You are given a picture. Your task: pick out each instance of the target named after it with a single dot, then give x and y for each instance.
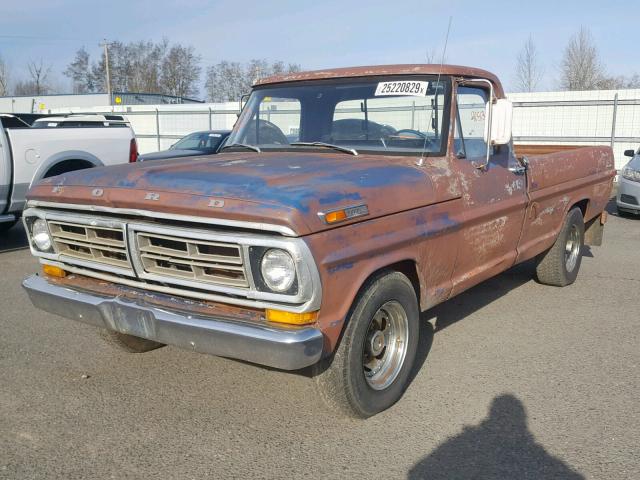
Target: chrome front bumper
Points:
(283, 348)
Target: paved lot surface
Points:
(517, 380)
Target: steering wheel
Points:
(269, 133)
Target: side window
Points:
(470, 122)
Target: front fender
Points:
(349, 255)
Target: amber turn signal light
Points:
(54, 271)
(280, 316)
(337, 216)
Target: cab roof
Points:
(376, 70)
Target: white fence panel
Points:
(600, 117)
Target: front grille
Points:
(630, 199)
(190, 259)
(103, 245)
(150, 253)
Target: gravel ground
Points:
(515, 380)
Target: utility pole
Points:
(106, 45)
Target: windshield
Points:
(199, 141)
(390, 115)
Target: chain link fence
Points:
(544, 118)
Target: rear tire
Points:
(559, 265)
(369, 370)
(128, 343)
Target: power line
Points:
(44, 37)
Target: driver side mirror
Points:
(629, 153)
(499, 119)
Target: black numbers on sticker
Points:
(401, 87)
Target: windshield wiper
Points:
(243, 145)
(352, 151)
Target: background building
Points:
(48, 103)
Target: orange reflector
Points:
(291, 318)
(54, 271)
(337, 216)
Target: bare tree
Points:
(225, 82)
(633, 81)
(39, 74)
(612, 83)
(4, 78)
(180, 71)
(79, 72)
(528, 70)
(228, 81)
(581, 67)
(144, 66)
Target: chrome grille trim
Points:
(308, 297)
(91, 243)
(183, 257)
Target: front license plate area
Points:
(131, 320)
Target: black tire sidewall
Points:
(6, 226)
(364, 399)
(574, 218)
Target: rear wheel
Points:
(129, 343)
(370, 368)
(559, 265)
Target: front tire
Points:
(559, 265)
(369, 370)
(6, 226)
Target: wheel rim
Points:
(572, 248)
(385, 345)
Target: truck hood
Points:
(285, 189)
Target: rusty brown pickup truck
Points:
(344, 203)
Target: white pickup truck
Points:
(52, 146)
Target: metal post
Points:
(210, 123)
(105, 44)
(613, 121)
(413, 114)
(158, 128)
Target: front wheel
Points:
(369, 370)
(559, 265)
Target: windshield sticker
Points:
(402, 88)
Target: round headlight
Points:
(278, 270)
(40, 235)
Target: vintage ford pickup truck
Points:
(346, 202)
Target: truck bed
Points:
(535, 149)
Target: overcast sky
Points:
(324, 33)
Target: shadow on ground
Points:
(500, 447)
(467, 303)
(13, 239)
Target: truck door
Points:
(494, 198)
